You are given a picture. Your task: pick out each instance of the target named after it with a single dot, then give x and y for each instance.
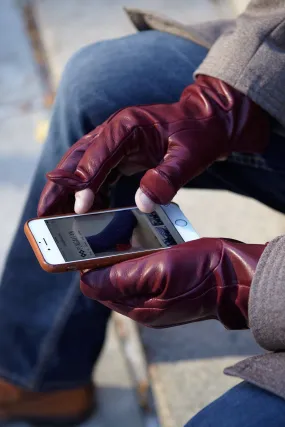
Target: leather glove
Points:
(204, 279)
(172, 142)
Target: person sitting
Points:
(51, 335)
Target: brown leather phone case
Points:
(79, 265)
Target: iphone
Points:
(98, 239)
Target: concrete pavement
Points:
(20, 110)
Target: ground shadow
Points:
(196, 341)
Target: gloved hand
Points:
(199, 280)
(172, 142)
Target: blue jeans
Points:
(243, 406)
(50, 335)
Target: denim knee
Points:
(244, 405)
(78, 108)
(75, 86)
(109, 75)
(88, 85)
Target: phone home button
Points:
(181, 222)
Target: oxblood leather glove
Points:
(172, 142)
(203, 279)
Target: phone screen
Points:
(110, 233)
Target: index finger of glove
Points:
(54, 196)
(96, 164)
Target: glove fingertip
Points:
(96, 284)
(157, 187)
(59, 174)
(88, 291)
(66, 179)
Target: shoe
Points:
(57, 408)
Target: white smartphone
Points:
(98, 239)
